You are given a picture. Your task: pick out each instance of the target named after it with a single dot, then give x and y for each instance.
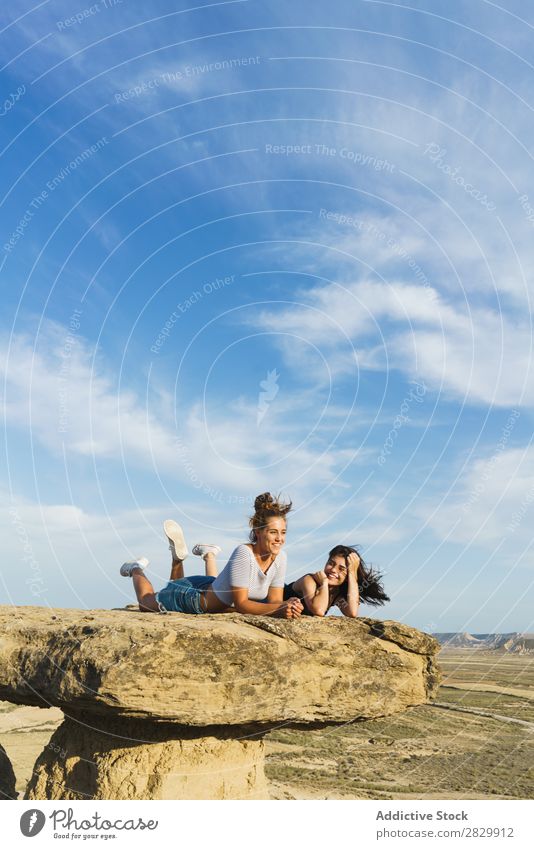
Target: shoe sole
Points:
(175, 535)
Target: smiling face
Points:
(336, 570)
(272, 537)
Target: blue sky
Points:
(251, 246)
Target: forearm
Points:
(353, 597)
(256, 608)
(318, 605)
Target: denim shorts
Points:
(183, 595)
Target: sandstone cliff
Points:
(176, 706)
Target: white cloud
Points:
(61, 554)
(231, 452)
(474, 353)
(57, 392)
(492, 502)
(70, 402)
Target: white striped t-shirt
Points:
(242, 570)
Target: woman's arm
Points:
(275, 595)
(315, 592)
(289, 609)
(350, 605)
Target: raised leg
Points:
(211, 564)
(179, 552)
(144, 591)
(177, 569)
(209, 553)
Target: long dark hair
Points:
(369, 580)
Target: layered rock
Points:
(176, 706)
(128, 759)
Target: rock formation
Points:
(176, 706)
(513, 643)
(7, 777)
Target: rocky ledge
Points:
(175, 706)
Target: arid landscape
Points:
(475, 742)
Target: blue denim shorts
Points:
(183, 595)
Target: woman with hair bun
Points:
(251, 582)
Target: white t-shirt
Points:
(242, 570)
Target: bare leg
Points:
(144, 591)
(177, 570)
(211, 564)
(175, 537)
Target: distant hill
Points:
(515, 643)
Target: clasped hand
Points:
(291, 609)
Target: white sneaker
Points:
(126, 568)
(175, 535)
(203, 548)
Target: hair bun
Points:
(262, 501)
(266, 506)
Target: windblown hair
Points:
(369, 580)
(267, 506)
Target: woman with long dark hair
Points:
(345, 581)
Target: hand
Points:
(320, 578)
(290, 609)
(353, 564)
